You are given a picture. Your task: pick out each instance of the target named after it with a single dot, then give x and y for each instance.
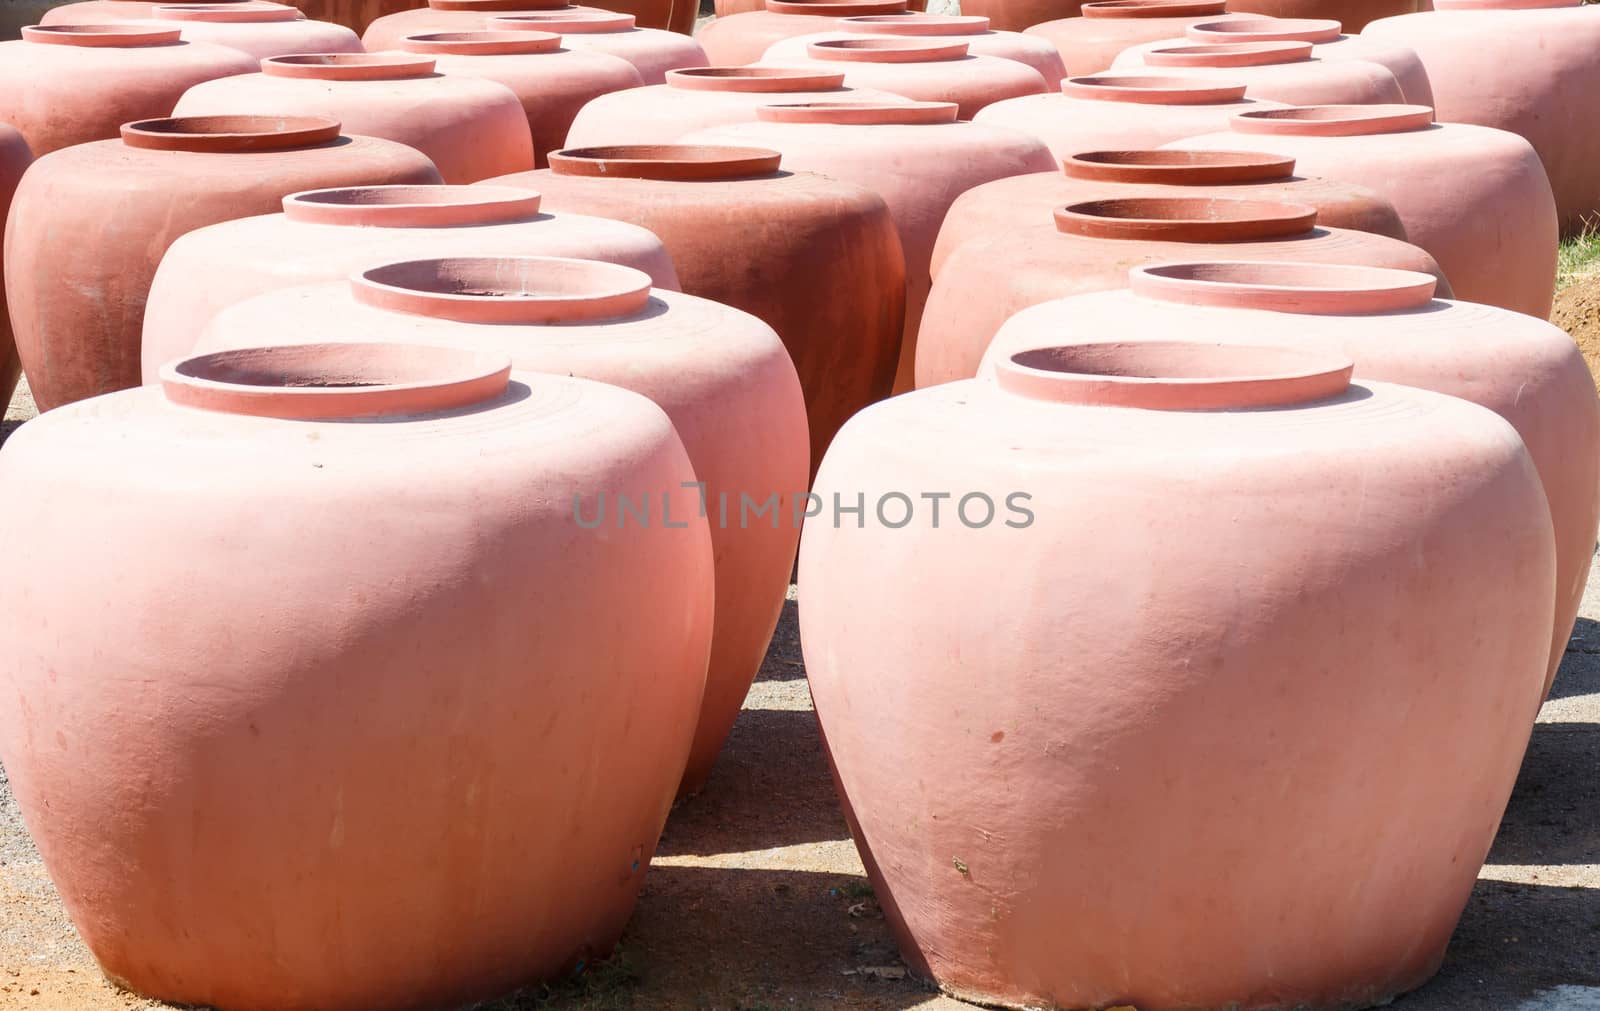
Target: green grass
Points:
(1578, 258)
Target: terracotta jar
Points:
(1285, 72)
(1492, 226)
(552, 81)
(1525, 370)
(652, 51)
(321, 753)
(14, 161)
(1089, 41)
(1353, 14)
(452, 16)
(259, 30)
(1123, 111)
(70, 84)
(1527, 66)
(737, 37)
(471, 128)
(1166, 650)
(926, 70)
(722, 376)
(816, 259)
(1017, 15)
(918, 157)
(1328, 43)
(326, 235)
(80, 254)
(1091, 246)
(352, 14)
(1023, 200)
(980, 39)
(698, 98)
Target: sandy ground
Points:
(757, 901)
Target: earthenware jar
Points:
(325, 235)
(1019, 201)
(259, 30)
(1090, 246)
(737, 37)
(1016, 15)
(80, 254)
(1123, 111)
(472, 128)
(69, 84)
(1089, 41)
(454, 16)
(352, 14)
(981, 40)
(823, 268)
(1285, 72)
(702, 97)
(1169, 579)
(1527, 66)
(552, 81)
(1492, 226)
(320, 753)
(14, 161)
(652, 51)
(918, 157)
(1354, 14)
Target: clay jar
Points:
(325, 235)
(301, 754)
(1155, 622)
(703, 97)
(1328, 43)
(927, 70)
(552, 81)
(1354, 14)
(1492, 227)
(452, 16)
(722, 376)
(352, 14)
(918, 157)
(651, 51)
(738, 37)
(259, 30)
(1091, 40)
(14, 161)
(90, 223)
(71, 84)
(1123, 111)
(1280, 72)
(1090, 247)
(728, 8)
(1016, 15)
(824, 268)
(974, 31)
(1519, 65)
(1021, 200)
(1525, 370)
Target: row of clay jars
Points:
(456, 16)
(351, 15)
(1201, 597)
(1089, 41)
(980, 40)
(310, 746)
(1016, 15)
(1090, 246)
(257, 29)
(1474, 197)
(1285, 72)
(1524, 369)
(15, 157)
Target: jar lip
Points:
(384, 66)
(1153, 8)
(229, 134)
(117, 35)
(834, 8)
(860, 113)
(411, 206)
(1152, 89)
(1186, 219)
(1228, 54)
(760, 80)
(506, 6)
(1294, 287)
(1505, 5)
(525, 290)
(914, 23)
(483, 42)
(666, 162)
(1174, 375)
(244, 12)
(576, 22)
(1334, 120)
(1265, 29)
(1178, 167)
(886, 49)
(331, 382)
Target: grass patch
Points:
(1578, 258)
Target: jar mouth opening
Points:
(514, 6)
(835, 8)
(247, 12)
(229, 133)
(666, 162)
(1335, 120)
(120, 35)
(1153, 8)
(1229, 54)
(1178, 166)
(488, 42)
(412, 206)
(1305, 288)
(348, 66)
(762, 80)
(860, 113)
(912, 23)
(886, 49)
(1153, 89)
(576, 22)
(505, 289)
(1266, 30)
(1195, 219)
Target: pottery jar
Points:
(90, 223)
(1354, 14)
(981, 40)
(352, 14)
(926, 70)
(1475, 197)
(325, 235)
(1017, 15)
(1287, 72)
(1089, 41)
(454, 16)
(412, 748)
(1090, 246)
(259, 30)
(1173, 577)
(14, 161)
(737, 37)
(652, 51)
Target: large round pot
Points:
(1169, 648)
(14, 161)
(90, 223)
(1353, 14)
(1287, 72)
(980, 40)
(1474, 197)
(327, 234)
(550, 80)
(1024, 200)
(652, 51)
(918, 157)
(824, 268)
(471, 128)
(1328, 43)
(258, 30)
(413, 736)
(926, 70)
(1090, 247)
(1089, 41)
(452, 16)
(352, 14)
(1123, 111)
(701, 97)
(1524, 369)
(722, 376)
(71, 84)
(740, 36)
(1527, 66)
(1017, 15)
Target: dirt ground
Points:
(1577, 311)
